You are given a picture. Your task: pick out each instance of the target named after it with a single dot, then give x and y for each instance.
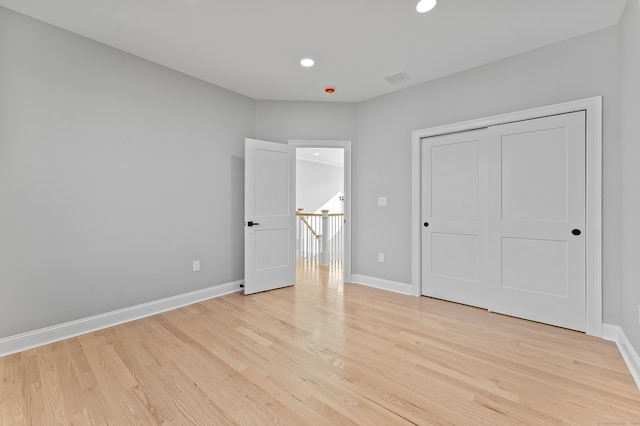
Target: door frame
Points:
(593, 108)
(346, 146)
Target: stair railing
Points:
(319, 236)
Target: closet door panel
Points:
(454, 181)
(536, 222)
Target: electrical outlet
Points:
(196, 265)
(380, 257)
(382, 201)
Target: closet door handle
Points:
(576, 232)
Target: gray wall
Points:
(578, 68)
(630, 172)
(280, 121)
(115, 173)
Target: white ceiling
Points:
(254, 47)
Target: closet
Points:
(503, 218)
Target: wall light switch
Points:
(196, 265)
(380, 257)
(382, 201)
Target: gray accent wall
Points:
(115, 173)
(630, 170)
(578, 68)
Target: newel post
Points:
(324, 239)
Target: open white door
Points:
(269, 214)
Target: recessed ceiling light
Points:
(425, 6)
(316, 153)
(307, 62)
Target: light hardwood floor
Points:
(321, 353)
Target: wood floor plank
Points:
(67, 376)
(35, 405)
(11, 390)
(321, 353)
(51, 381)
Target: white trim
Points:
(44, 336)
(396, 287)
(615, 333)
(346, 145)
(610, 332)
(593, 108)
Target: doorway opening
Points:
(323, 237)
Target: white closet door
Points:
(454, 217)
(536, 241)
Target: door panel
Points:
(536, 198)
(519, 273)
(271, 248)
(455, 256)
(453, 180)
(269, 216)
(271, 182)
(524, 157)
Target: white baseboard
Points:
(44, 336)
(615, 333)
(394, 286)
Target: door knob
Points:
(426, 224)
(576, 232)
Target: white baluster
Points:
(324, 244)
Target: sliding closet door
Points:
(536, 223)
(454, 217)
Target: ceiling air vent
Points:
(398, 78)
